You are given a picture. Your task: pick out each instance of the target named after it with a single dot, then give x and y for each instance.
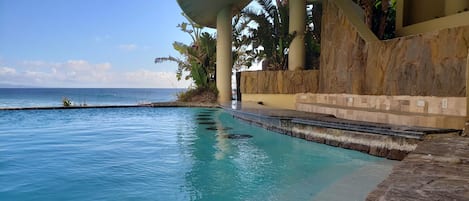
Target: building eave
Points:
(204, 12)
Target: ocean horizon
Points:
(48, 97)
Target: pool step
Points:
(378, 139)
(382, 129)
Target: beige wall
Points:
(416, 11)
(456, 6)
(284, 101)
(420, 16)
(451, 21)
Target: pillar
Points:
(224, 57)
(296, 56)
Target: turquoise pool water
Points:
(160, 154)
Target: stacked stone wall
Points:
(279, 82)
(429, 64)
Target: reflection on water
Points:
(165, 154)
(268, 166)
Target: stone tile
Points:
(437, 170)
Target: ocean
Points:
(44, 97)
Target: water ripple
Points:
(158, 154)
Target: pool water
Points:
(161, 154)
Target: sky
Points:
(89, 43)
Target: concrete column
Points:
(296, 56)
(454, 6)
(224, 57)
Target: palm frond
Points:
(168, 58)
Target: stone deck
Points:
(437, 169)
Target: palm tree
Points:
(198, 58)
(272, 32)
(273, 36)
(313, 35)
(243, 53)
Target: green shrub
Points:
(66, 102)
(201, 94)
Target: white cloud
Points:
(81, 73)
(128, 47)
(147, 78)
(7, 71)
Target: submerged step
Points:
(402, 131)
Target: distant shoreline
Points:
(156, 104)
(6, 87)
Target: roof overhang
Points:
(204, 12)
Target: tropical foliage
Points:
(198, 58)
(384, 19)
(380, 16)
(243, 53)
(313, 35)
(271, 33)
(270, 39)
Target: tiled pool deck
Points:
(437, 168)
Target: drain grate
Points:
(204, 119)
(237, 136)
(209, 110)
(207, 123)
(213, 128)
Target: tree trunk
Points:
(367, 6)
(317, 18)
(384, 17)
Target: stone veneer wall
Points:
(279, 82)
(429, 64)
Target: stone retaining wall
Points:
(429, 64)
(279, 82)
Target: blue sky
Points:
(89, 43)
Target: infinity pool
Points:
(168, 154)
